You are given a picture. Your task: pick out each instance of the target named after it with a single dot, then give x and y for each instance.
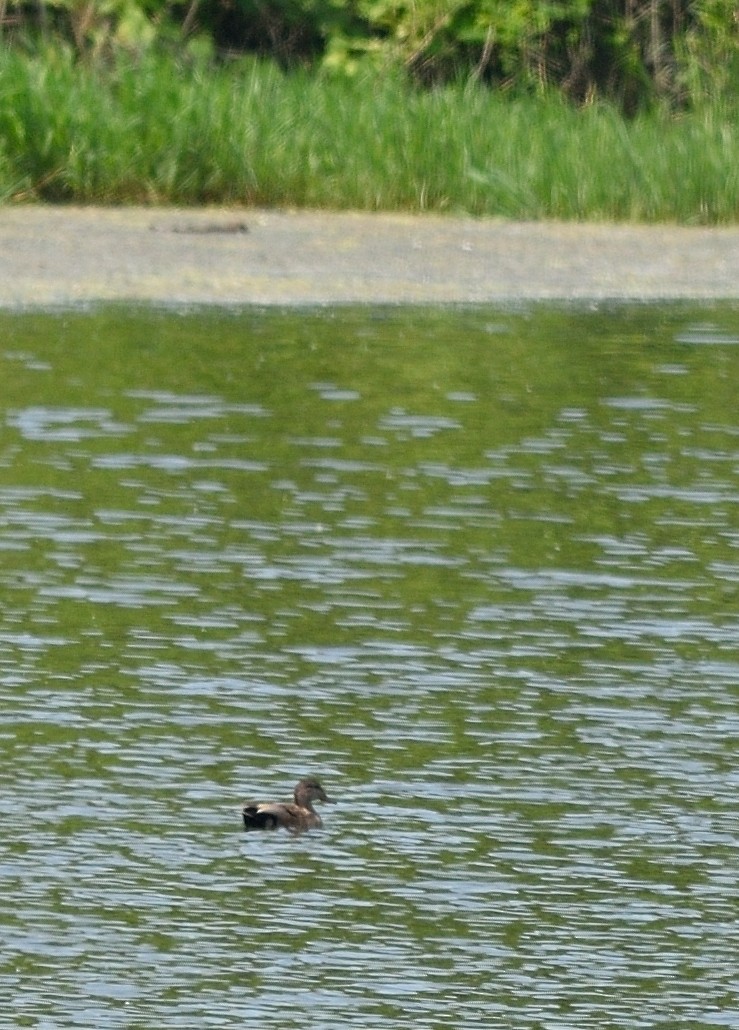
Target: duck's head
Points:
(310, 790)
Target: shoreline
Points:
(65, 256)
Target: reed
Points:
(157, 130)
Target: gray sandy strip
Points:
(53, 256)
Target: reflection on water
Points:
(478, 570)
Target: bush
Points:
(633, 52)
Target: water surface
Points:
(476, 569)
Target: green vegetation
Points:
(631, 52)
(573, 109)
(150, 129)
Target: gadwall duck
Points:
(296, 816)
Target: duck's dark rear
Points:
(256, 820)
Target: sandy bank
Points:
(63, 255)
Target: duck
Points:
(295, 816)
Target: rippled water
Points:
(479, 570)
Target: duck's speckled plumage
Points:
(295, 816)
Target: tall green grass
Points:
(152, 130)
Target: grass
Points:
(156, 131)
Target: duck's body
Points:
(295, 816)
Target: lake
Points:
(477, 569)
